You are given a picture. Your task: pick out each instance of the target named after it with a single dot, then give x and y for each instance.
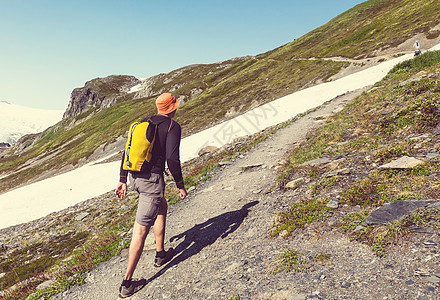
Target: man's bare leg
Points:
(136, 247)
(159, 225)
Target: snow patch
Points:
(16, 121)
(137, 87)
(42, 198)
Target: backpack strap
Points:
(171, 123)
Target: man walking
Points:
(150, 185)
(417, 48)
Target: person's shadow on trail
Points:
(205, 234)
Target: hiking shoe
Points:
(135, 286)
(159, 262)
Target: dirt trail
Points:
(220, 232)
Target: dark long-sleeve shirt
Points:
(166, 148)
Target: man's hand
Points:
(121, 190)
(183, 193)
(176, 237)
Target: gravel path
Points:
(221, 233)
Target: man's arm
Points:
(173, 158)
(121, 188)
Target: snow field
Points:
(59, 192)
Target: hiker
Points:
(150, 185)
(417, 48)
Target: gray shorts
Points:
(150, 188)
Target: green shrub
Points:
(363, 193)
(305, 212)
(393, 151)
(353, 220)
(288, 261)
(418, 63)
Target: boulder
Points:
(333, 204)
(317, 162)
(294, 184)
(396, 210)
(207, 150)
(251, 167)
(45, 284)
(344, 171)
(81, 216)
(405, 162)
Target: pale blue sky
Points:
(48, 48)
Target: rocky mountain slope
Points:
(99, 93)
(100, 112)
(300, 228)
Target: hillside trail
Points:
(221, 233)
(221, 229)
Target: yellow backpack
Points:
(139, 146)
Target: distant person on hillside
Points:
(150, 185)
(417, 48)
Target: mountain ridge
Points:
(296, 229)
(216, 92)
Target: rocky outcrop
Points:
(397, 210)
(207, 149)
(145, 88)
(404, 162)
(26, 141)
(99, 93)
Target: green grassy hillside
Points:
(399, 117)
(215, 92)
(368, 27)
